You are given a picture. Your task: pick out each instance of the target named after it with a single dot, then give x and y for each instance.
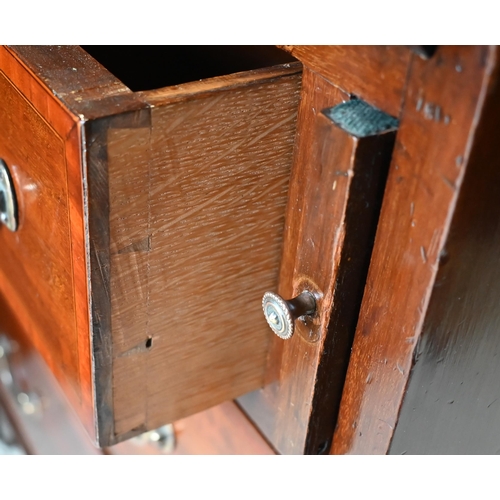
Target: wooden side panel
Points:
(43, 270)
(451, 405)
(335, 195)
(196, 211)
(376, 74)
(442, 105)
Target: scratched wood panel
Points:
(72, 74)
(197, 190)
(451, 404)
(73, 91)
(374, 73)
(69, 87)
(443, 103)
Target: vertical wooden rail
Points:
(334, 198)
(443, 103)
(451, 403)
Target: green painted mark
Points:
(360, 119)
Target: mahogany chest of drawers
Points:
(154, 209)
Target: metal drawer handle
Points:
(8, 203)
(281, 314)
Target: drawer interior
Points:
(144, 67)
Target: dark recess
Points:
(147, 67)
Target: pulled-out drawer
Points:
(149, 221)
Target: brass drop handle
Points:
(281, 314)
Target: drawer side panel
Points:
(197, 204)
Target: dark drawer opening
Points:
(143, 67)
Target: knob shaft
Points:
(281, 314)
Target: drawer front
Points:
(36, 259)
(185, 190)
(42, 265)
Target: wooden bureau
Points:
(154, 211)
(149, 223)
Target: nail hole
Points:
(149, 343)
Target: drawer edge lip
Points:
(199, 89)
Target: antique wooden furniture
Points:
(148, 224)
(164, 214)
(429, 310)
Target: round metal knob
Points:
(8, 205)
(281, 314)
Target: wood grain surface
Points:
(443, 102)
(335, 194)
(51, 427)
(39, 254)
(186, 198)
(374, 73)
(451, 405)
(197, 203)
(43, 267)
(71, 73)
(75, 80)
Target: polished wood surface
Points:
(43, 268)
(222, 430)
(375, 73)
(443, 103)
(421, 377)
(335, 195)
(76, 81)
